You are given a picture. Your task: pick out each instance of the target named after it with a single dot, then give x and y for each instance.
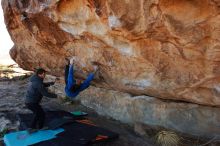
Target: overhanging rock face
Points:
(163, 48)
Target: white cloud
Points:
(5, 42)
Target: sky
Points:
(5, 42)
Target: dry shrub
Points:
(167, 138)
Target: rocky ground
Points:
(12, 93)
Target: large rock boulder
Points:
(186, 118)
(163, 48)
(144, 112)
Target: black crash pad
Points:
(78, 130)
(50, 118)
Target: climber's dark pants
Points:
(39, 115)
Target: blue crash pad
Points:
(23, 138)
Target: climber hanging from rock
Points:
(74, 86)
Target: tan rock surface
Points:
(163, 48)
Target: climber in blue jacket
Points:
(73, 88)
